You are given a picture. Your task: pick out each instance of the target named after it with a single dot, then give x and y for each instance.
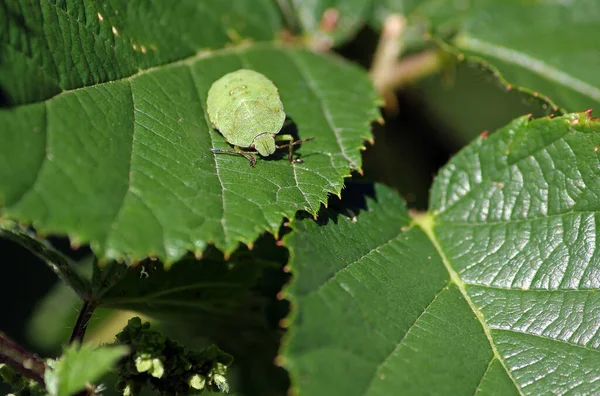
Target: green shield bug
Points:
(245, 107)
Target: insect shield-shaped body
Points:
(245, 107)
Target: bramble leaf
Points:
(495, 288)
(121, 158)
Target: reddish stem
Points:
(21, 360)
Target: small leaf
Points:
(79, 366)
(495, 289)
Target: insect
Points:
(245, 107)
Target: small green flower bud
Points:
(157, 368)
(197, 381)
(143, 363)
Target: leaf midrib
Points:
(426, 223)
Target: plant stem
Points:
(83, 319)
(388, 51)
(21, 360)
(103, 279)
(415, 67)
(389, 73)
(60, 264)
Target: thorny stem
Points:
(21, 360)
(103, 279)
(83, 319)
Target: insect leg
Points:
(290, 138)
(287, 138)
(248, 154)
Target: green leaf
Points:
(541, 47)
(79, 366)
(118, 154)
(544, 48)
(50, 321)
(451, 105)
(210, 291)
(494, 290)
(515, 219)
(369, 310)
(126, 166)
(49, 47)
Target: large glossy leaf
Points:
(494, 291)
(126, 165)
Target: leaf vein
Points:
(314, 88)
